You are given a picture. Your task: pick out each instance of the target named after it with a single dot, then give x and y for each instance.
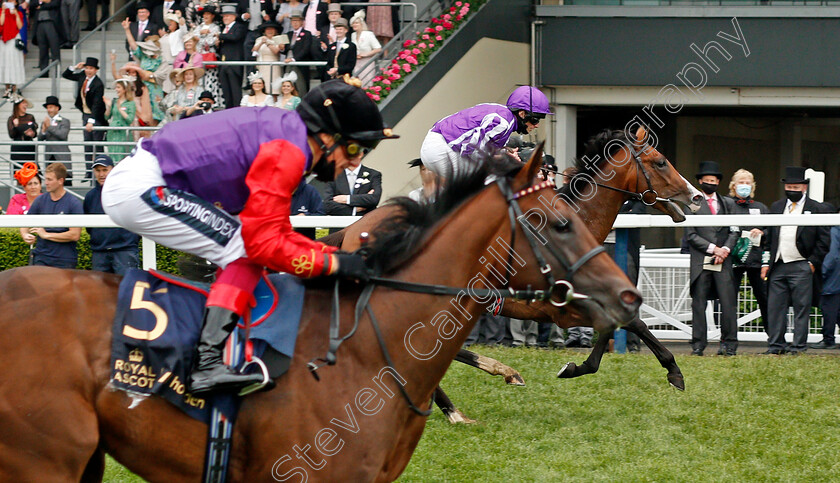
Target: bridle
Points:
(649, 196)
(516, 218)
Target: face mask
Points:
(708, 188)
(743, 190)
(794, 196)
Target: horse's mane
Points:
(398, 237)
(594, 150)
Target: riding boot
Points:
(209, 373)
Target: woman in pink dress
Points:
(28, 178)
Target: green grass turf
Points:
(746, 418)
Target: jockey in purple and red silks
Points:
(470, 133)
(220, 186)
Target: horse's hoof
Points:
(515, 380)
(457, 417)
(567, 371)
(677, 381)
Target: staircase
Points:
(38, 91)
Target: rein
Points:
(515, 215)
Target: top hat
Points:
(228, 9)
(709, 168)
(143, 5)
(795, 175)
(52, 100)
(206, 95)
(342, 22)
(334, 7)
(415, 162)
(296, 13)
(92, 61)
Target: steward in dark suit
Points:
(716, 242)
(340, 199)
(793, 257)
(301, 46)
(45, 22)
(232, 41)
(341, 54)
(89, 92)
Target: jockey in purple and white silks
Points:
(471, 133)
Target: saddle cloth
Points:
(157, 326)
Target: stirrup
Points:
(259, 385)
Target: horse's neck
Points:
(600, 209)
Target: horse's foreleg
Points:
(663, 355)
(95, 468)
(592, 363)
(490, 366)
(448, 408)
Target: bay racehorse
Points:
(59, 416)
(613, 169)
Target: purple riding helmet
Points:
(532, 101)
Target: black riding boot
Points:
(209, 373)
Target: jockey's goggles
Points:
(354, 149)
(534, 118)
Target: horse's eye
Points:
(662, 164)
(562, 226)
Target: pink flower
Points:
(431, 46)
(438, 38)
(459, 18)
(422, 45)
(406, 67)
(458, 4)
(387, 88)
(411, 60)
(453, 9)
(404, 54)
(377, 78)
(377, 88)
(396, 77)
(416, 51)
(426, 37)
(447, 25)
(429, 30)
(438, 28)
(466, 5)
(386, 82)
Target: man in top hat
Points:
(113, 250)
(300, 47)
(792, 256)
(341, 54)
(89, 92)
(711, 265)
(232, 39)
(56, 128)
(142, 27)
(327, 32)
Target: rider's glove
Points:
(352, 266)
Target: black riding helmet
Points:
(343, 110)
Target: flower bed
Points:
(417, 51)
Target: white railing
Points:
(663, 274)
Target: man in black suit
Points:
(142, 27)
(45, 21)
(792, 255)
(300, 47)
(355, 193)
(232, 39)
(341, 54)
(89, 92)
(711, 266)
(169, 6)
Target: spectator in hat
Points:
(341, 54)
(252, 13)
(792, 255)
(54, 247)
(208, 40)
(366, 47)
(742, 191)
(172, 37)
(195, 10)
(171, 7)
(140, 29)
(27, 177)
(257, 97)
(188, 91)
(190, 55)
(267, 48)
(121, 112)
(326, 33)
(289, 97)
(711, 266)
(55, 128)
(300, 47)
(45, 22)
(113, 250)
(22, 127)
(149, 68)
(231, 41)
(89, 93)
(203, 106)
(426, 192)
(284, 13)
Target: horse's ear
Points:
(641, 136)
(528, 172)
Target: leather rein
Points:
(516, 218)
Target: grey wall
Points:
(801, 52)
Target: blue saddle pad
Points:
(157, 326)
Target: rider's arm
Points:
(493, 132)
(266, 230)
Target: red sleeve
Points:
(266, 229)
